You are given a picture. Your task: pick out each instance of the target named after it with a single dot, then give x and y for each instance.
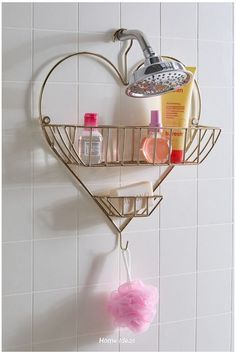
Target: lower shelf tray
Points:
(128, 206)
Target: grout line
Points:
(120, 181)
(225, 41)
(32, 184)
(127, 232)
(159, 219)
(77, 245)
(197, 203)
(97, 83)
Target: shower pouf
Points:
(133, 305)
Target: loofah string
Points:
(127, 262)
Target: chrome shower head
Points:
(157, 77)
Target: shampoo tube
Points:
(175, 113)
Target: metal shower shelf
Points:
(122, 145)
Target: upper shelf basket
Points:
(122, 146)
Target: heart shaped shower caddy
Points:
(118, 151)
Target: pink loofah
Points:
(133, 305)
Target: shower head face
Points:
(157, 79)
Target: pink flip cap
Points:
(91, 119)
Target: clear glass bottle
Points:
(155, 141)
(90, 142)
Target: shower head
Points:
(156, 77)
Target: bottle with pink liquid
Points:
(155, 141)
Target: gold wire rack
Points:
(122, 145)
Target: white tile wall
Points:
(54, 315)
(213, 334)
(214, 292)
(177, 336)
(177, 297)
(17, 267)
(60, 259)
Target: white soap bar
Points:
(131, 205)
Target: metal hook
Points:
(127, 243)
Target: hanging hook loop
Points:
(121, 246)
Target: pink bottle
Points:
(155, 141)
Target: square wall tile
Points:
(213, 333)
(17, 267)
(16, 105)
(21, 213)
(179, 20)
(16, 44)
(56, 16)
(92, 310)
(177, 297)
(184, 50)
(50, 47)
(101, 342)
(55, 212)
(17, 313)
(54, 263)
(61, 345)
(214, 201)
(139, 342)
(92, 220)
(26, 348)
(144, 248)
(215, 247)
(181, 172)
(106, 101)
(16, 159)
(54, 315)
(92, 69)
(97, 259)
(214, 292)
(59, 103)
(179, 207)
(144, 16)
(178, 251)
(216, 21)
(177, 336)
(217, 107)
(99, 17)
(100, 180)
(16, 14)
(135, 174)
(48, 169)
(210, 167)
(208, 67)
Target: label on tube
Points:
(176, 113)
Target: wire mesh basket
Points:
(127, 206)
(123, 145)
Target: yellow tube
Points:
(175, 113)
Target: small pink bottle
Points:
(156, 141)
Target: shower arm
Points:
(124, 35)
